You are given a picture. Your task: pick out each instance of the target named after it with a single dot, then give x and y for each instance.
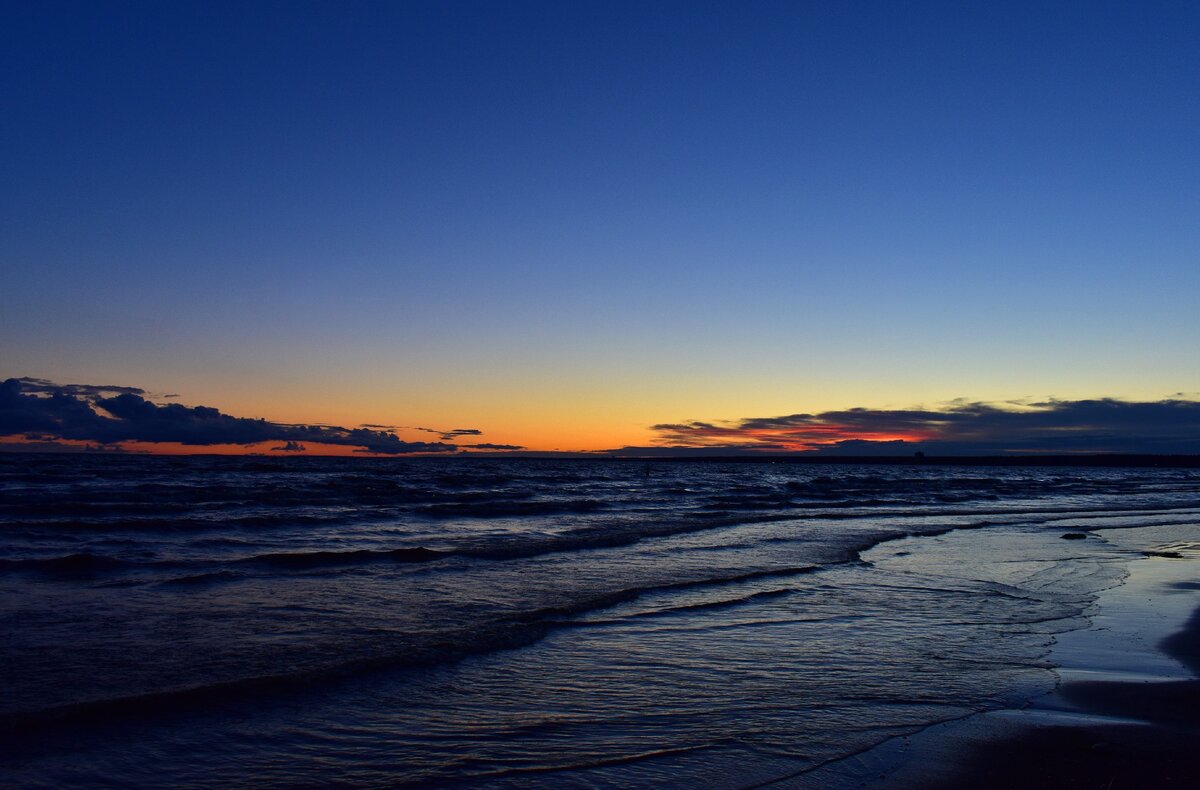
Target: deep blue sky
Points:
(567, 219)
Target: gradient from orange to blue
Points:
(564, 223)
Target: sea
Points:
(489, 622)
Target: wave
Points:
(80, 564)
(198, 524)
(23, 730)
(724, 603)
(319, 559)
(201, 579)
(512, 631)
(507, 632)
(760, 595)
(553, 615)
(493, 508)
(612, 534)
(616, 534)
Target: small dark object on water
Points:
(1073, 536)
(1171, 555)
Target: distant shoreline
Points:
(1106, 460)
(1115, 460)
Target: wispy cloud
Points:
(958, 428)
(452, 434)
(112, 414)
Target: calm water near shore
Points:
(207, 621)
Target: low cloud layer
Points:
(452, 434)
(490, 446)
(1103, 425)
(111, 414)
(43, 413)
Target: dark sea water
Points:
(207, 622)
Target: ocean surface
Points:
(207, 622)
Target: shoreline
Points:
(1125, 712)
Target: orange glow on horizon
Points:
(773, 442)
(265, 449)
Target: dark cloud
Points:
(489, 446)
(102, 448)
(42, 386)
(452, 434)
(290, 447)
(51, 445)
(1103, 425)
(114, 414)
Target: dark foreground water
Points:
(216, 622)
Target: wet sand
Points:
(1125, 734)
(1126, 713)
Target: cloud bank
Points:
(1104, 425)
(44, 413)
(111, 414)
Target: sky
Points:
(574, 226)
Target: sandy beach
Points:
(1125, 714)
